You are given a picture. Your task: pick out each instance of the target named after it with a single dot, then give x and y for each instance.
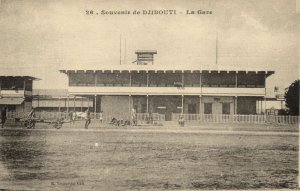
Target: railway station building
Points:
(149, 87)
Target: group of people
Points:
(86, 116)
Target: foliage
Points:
(292, 98)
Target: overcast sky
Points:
(39, 37)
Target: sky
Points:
(40, 37)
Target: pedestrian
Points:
(181, 120)
(101, 116)
(3, 116)
(87, 118)
(133, 117)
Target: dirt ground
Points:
(146, 160)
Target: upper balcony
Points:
(12, 93)
(222, 79)
(83, 90)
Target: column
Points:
(147, 103)
(182, 96)
(129, 79)
(182, 79)
(68, 104)
(74, 103)
(95, 104)
(58, 104)
(147, 79)
(235, 105)
(200, 104)
(236, 80)
(129, 108)
(81, 103)
(261, 108)
(265, 94)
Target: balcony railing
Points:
(222, 118)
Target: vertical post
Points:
(24, 84)
(130, 79)
(74, 101)
(261, 108)
(182, 78)
(265, 93)
(95, 105)
(38, 98)
(147, 103)
(81, 103)
(182, 104)
(236, 79)
(58, 104)
(147, 79)
(95, 80)
(68, 103)
(129, 108)
(200, 104)
(235, 105)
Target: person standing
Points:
(101, 116)
(87, 118)
(3, 116)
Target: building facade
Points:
(16, 92)
(59, 100)
(117, 89)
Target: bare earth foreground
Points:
(147, 159)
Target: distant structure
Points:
(145, 57)
(168, 89)
(59, 100)
(16, 92)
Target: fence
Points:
(65, 115)
(215, 118)
(209, 118)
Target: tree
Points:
(292, 98)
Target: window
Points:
(207, 108)
(226, 108)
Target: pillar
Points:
(182, 96)
(74, 101)
(129, 107)
(236, 81)
(200, 104)
(147, 79)
(68, 104)
(147, 103)
(265, 94)
(235, 105)
(58, 104)
(95, 104)
(182, 79)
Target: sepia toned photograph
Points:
(149, 95)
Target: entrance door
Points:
(192, 108)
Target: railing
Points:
(209, 118)
(215, 118)
(65, 115)
(147, 116)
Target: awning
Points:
(11, 101)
